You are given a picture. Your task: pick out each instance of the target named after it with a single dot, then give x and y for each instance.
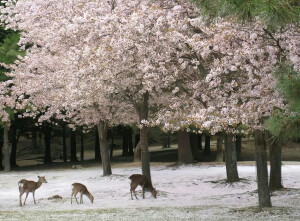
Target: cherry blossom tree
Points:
(55, 75)
(239, 87)
(91, 58)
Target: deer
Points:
(27, 186)
(144, 182)
(80, 188)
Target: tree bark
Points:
(73, 146)
(275, 161)
(200, 141)
(220, 156)
(194, 146)
(230, 159)
(13, 154)
(40, 141)
(137, 153)
(238, 144)
(143, 110)
(35, 146)
(112, 144)
(97, 146)
(47, 139)
(262, 170)
(125, 142)
(136, 139)
(207, 145)
(7, 167)
(104, 150)
(130, 142)
(82, 146)
(185, 155)
(64, 143)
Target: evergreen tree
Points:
(273, 13)
(9, 50)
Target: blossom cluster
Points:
(95, 60)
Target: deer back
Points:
(78, 187)
(141, 180)
(32, 185)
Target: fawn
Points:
(80, 188)
(144, 182)
(30, 186)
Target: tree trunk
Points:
(125, 141)
(130, 142)
(136, 139)
(238, 145)
(230, 159)
(112, 144)
(194, 146)
(64, 143)
(13, 154)
(35, 147)
(47, 139)
(185, 155)
(275, 161)
(145, 155)
(220, 156)
(97, 146)
(207, 145)
(262, 170)
(82, 147)
(200, 141)
(73, 146)
(104, 150)
(7, 167)
(40, 141)
(137, 153)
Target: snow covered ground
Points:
(193, 192)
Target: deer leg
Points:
(81, 201)
(71, 197)
(132, 190)
(76, 197)
(131, 194)
(143, 191)
(33, 197)
(21, 193)
(26, 197)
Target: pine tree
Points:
(9, 50)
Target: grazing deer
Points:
(144, 182)
(30, 186)
(80, 188)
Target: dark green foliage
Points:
(9, 50)
(282, 124)
(272, 13)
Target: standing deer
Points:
(144, 182)
(80, 188)
(30, 186)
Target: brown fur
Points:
(27, 186)
(80, 188)
(144, 182)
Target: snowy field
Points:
(195, 192)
